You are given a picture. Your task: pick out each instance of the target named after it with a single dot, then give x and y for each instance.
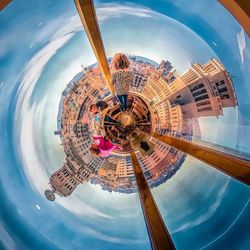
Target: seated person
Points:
(97, 110)
(103, 147)
(98, 107)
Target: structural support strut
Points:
(4, 3)
(230, 165)
(240, 9)
(159, 237)
(88, 17)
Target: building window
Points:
(222, 82)
(224, 96)
(222, 90)
(202, 91)
(199, 86)
(201, 98)
(203, 103)
(204, 109)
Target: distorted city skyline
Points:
(42, 47)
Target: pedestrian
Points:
(98, 107)
(102, 148)
(122, 78)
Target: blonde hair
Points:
(120, 61)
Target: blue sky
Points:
(42, 47)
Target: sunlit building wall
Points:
(204, 90)
(158, 161)
(63, 182)
(124, 167)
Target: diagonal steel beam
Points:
(4, 3)
(88, 17)
(159, 237)
(235, 167)
(240, 9)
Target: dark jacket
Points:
(101, 105)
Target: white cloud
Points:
(241, 43)
(214, 44)
(65, 25)
(78, 207)
(105, 237)
(27, 116)
(34, 158)
(208, 214)
(107, 11)
(4, 41)
(38, 207)
(232, 224)
(6, 239)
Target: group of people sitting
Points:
(121, 79)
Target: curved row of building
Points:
(175, 102)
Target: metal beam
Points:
(235, 167)
(240, 9)
(159, 237)
(4, 3)
(88, 17)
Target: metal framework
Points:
(240, 9)
(4, 3)
(88, 17)
(159, 236)
(235, 167)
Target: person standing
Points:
(122, 78)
